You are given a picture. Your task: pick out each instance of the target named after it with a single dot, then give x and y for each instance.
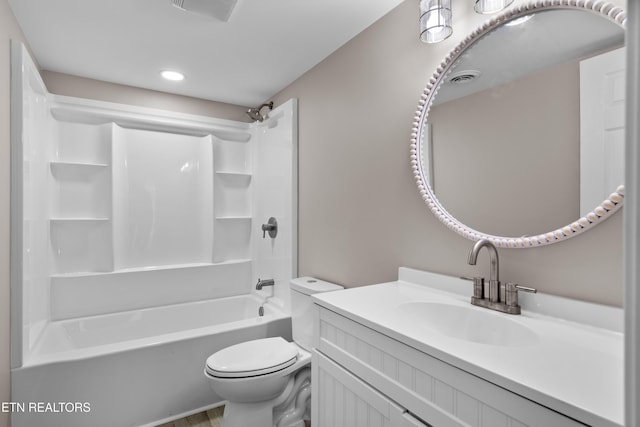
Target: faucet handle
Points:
(478, 286)
(525, 288)
(511, 291)
(271, 226)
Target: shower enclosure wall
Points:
(118, 209)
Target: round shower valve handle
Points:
(271, 226)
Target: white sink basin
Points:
(470, 323)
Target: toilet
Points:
(267, 382)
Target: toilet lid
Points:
(252, 358)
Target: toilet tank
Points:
(301, 307)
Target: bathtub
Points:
(136, 368)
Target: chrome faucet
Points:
(507, 303)
(263, 283)
(494, 278)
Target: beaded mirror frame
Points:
(593, 218)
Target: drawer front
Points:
(342, 400)
(436, 392)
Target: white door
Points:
(602, 99)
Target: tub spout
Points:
(262, 283)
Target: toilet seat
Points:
(252, 358)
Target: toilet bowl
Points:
(267, 382)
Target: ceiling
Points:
(546, 40)
(265, 45)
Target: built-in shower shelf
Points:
(233, 261)
(80, 192)
(79, 220)
(80, 274)
(78, 165)
(234, 174)
(76, 170)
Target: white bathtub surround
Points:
(76, 296)
(560, 360)
(161, 191)
(275, 194)
(123, 215)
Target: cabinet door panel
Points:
(342, 400)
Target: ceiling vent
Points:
(218, 9)
(463, 77)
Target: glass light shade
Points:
(435, 20)
(491, 6)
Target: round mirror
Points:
(519, 136)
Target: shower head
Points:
(255, 114)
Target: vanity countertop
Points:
(573, 364)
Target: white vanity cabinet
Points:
(362, 377)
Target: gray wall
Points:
(502, 142)
(359, 210)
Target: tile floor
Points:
(210, 418)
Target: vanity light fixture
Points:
(172, 75)
(435, 20)
(491, 6)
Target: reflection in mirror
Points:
(516, 108)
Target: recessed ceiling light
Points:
(172, 75)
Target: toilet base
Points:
(248, 414)
(286, 410)
(292, 411)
